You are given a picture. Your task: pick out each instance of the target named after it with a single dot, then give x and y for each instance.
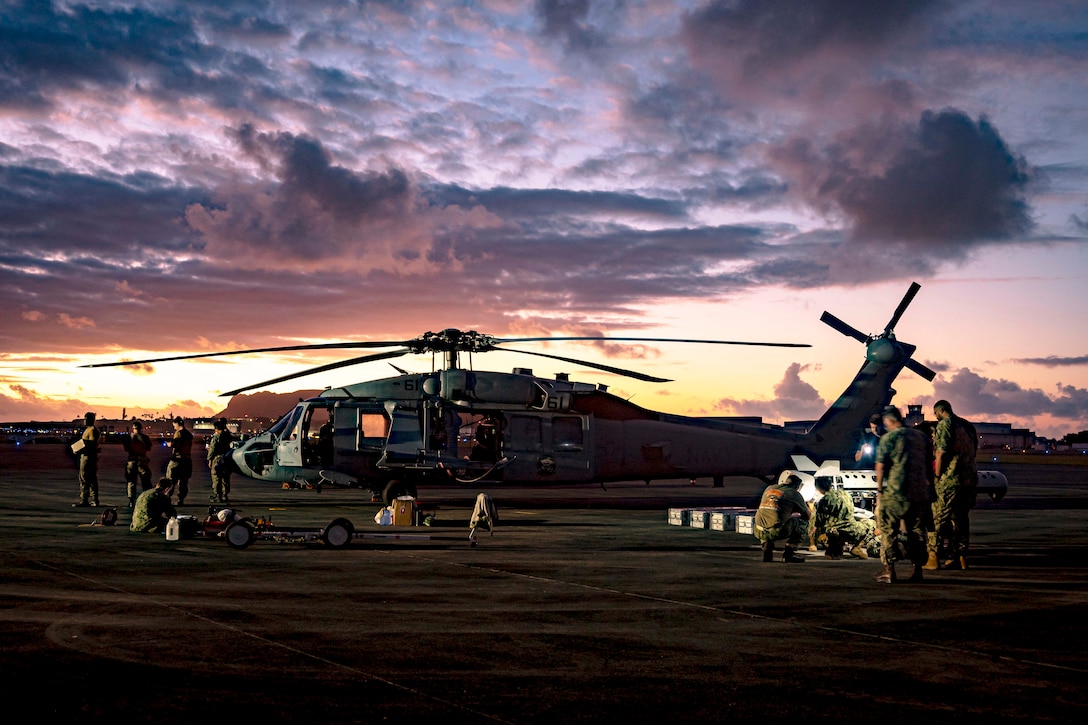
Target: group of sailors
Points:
(926, 487)
(152, 505)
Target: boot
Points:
(834, 548)
(931, 563)
(887, 576)
(963, 563)
(768, 551)
(791, 557)
(860, 551)
(916, 575)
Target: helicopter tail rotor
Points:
(884, 348)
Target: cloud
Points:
(314, 215)
(940, 186)
(1053, 361)
(976, 396)
(794, 399)
(74, 323)
(778, 51)
(911, 197)
(24, 404)
(569, 21)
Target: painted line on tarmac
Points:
(748, 615)
(272, 643)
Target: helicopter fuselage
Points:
(509, 427)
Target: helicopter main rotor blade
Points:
(286, 348)
(650, 339)
(834, 322)
(598, 366)
(321, 369)
(907, 298)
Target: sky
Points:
(188, 177)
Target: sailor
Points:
(153, 509)
(219, 461)
(869, 440)
(955, 445)
(88, 462)
(835, 519)
(783, 514)
(138, 464)
(180, 468)
(901, 494)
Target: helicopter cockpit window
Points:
(290, 433)
(284, 427)
(567, 434)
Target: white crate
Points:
(726, 519)
(679, 517)
(700, 519)
(746, 524)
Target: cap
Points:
(178, 420)
(788, 478)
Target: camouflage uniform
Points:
(955, 485)
(180, 468)
(138, 465)
(151, 512)
(773, 519)
(902, 452)
(835, 518)
(219, 464)
(88, 466)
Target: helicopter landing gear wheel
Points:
(239, 535)
(396, 488)
(338, 533)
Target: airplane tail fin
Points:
(804, 464)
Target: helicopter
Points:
(459, 425)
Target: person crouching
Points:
(783, 514)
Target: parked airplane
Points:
(861, 483)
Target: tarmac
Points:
(584, 605)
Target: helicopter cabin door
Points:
(547, 447)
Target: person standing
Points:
(138, 465)
(955, 445)
(901, 494)
(783, 514)
(88, 462)
(865, 456)
(180, 468)
(153, 509)
(219, 461)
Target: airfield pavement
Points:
(584, 606)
